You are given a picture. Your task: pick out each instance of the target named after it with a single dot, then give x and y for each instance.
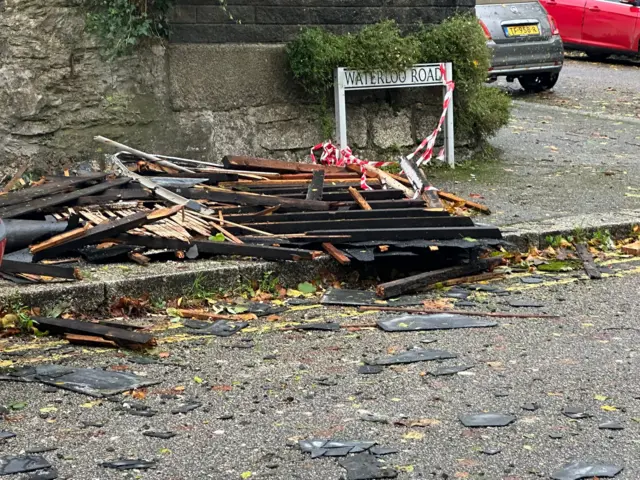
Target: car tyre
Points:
(538, 82)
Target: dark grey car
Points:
(525, 41)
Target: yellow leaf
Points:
(48, 409)
(608, 408)
(587, 324)
(246, 475)
(179, 388)
(6, 363)
(413, 435)
(396, 399)
(405, 468)
(528, 447)
(600, 398)
(164, 451)
(91, 404)
(197, 379)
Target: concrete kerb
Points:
(95, 296)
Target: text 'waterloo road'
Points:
(418, 75)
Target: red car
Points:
(598, 27)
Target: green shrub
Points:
(120, 25)
(480, 110)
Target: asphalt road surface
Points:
(264, 389)
(611, 86)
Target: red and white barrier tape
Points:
(332, 156)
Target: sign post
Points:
(421, 75)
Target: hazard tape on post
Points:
(332, 156)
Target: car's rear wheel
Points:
(538, 82)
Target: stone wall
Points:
(192, 100)
(269, 21)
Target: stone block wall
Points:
(274, 21)
(198, 100)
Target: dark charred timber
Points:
(11, 266)
(248, 219)
(316, 187)
(426, 233)
(279, 166)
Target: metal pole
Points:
(341, 110)
(448, 125)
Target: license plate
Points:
(523, 30)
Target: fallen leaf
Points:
(608, 408)
(48, 410)
(164, 354)
(413, 435)
(246, 475)
(6, 363)
(179, 388)
(222, 388)
(164, 451)
(197, 379)
(600, 398)
(405, 468)
(18, 406)
(91, 404)
(140, 394)
(307, 287)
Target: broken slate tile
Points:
(318, 452)
(89, 381)
(129, 464)
(532, 280)
(491, 451)
(450, 370)
(161, 435)
(575, 413)
(186, 407)
(366, 467)
(478, 287)
(333, 448)
(525, 304)
(611, 426)
(337, 452)
(368, 416)
(10, 464)
(439, 321)
(328, 327)
(370, 369)
(412, 356)
(219, 328)
(355, 298)
(4, 435)
(486, 420)
(457, 294)
(466, 304)
(530, 407)
(582, 469)
(50, 474)
(376, 450)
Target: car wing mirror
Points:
(633, 3)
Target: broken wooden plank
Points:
(249, 218)
(15, 179)
(118, 335)
(367, 223)
(57, 186)
(424, 233)
(108, 230)
(12, 266)
(423, 280)
(279, 166)
(428, 311)
(245, 198)
(467, 203)
(589, 265)
(359, 199)
(89, 340)
(139, 258)
(336, 253)
(222, 248)
(483, 277)
(58, 239)
(58, 199)
(316, 186)
(226, 233)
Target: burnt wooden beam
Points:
(587, 261)
(345, 196)
(56, 186)
(38, 204)
(243, 198)
(334, 215)
(316, 187)
(56, 271)
(385, 204)
(279, 166)
(106, 230)
(116, 195)
(358, 224)
(426, 279)
(425, 233)
(222, 248)
(118, 335)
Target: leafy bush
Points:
(480, 110)
(122, 24)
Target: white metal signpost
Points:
(422, 75)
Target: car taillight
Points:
(553, 25)
(485, 29)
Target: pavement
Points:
(264, 388)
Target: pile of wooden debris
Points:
(157, 207)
